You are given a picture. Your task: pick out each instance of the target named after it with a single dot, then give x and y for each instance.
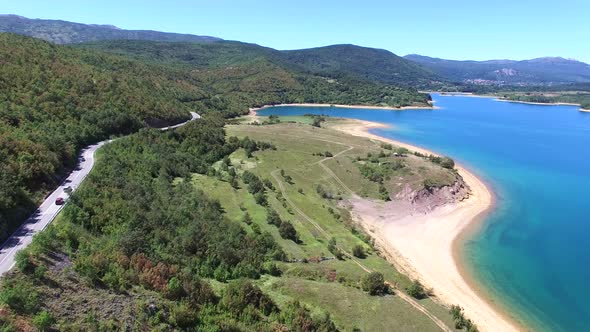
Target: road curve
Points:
(48, 210)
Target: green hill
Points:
(57, 99)
(369, 63)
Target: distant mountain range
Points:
(370, 64)
(63, 32)
(548, 70)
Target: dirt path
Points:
(399, 293)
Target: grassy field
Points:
(296, 168)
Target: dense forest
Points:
(366, 66)
(57, 99)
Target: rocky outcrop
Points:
(428, 199)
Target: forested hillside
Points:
(370, 63)
(57, 99)
(54, 100)
(336, 61)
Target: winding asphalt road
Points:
(48, 210)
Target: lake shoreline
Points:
(431, 107)
(461, 221)
(497, 98)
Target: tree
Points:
(287, 231)
(260, 198)
(374, 283)
(359, 251)
(273, 218)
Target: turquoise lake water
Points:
(533, 252)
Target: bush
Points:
(24, 262)
(384, 194)
(260, 199)
(460, 320)
(298, 318)
(447, 162)
(374, 284)
(416, 290)
(43, 321)
(268, 184)
(242, 293)
(359, 251)
(247, 219)
(334, 249)
(174, 289)
(430, 184)
(20, 296)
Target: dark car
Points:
(59, 201)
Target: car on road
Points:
(59, 201)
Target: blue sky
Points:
(454, 29)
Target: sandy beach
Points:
(425, 245)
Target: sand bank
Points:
(425, 245)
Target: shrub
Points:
(24, 262)
(402, 151)
(359, 251)
(447, 162)
(174, 289)
(383, 193)
(20, 296)
(260, 199)
(268, 184)
(416, 290)
(334, 249)
(242, 293)
(43, 321)
(430, 184)
(247, 219)
(374, 284)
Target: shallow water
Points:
(533, 251)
